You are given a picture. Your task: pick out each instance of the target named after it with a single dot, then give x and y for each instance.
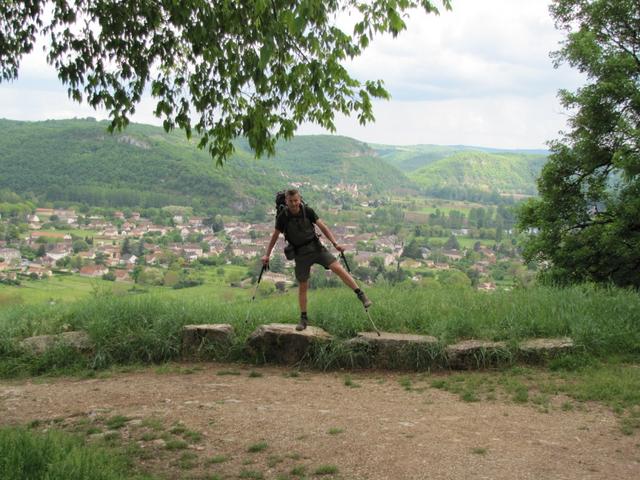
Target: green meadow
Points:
(71, 288)
(146, 327)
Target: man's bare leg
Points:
(302, 301)
(339, 270)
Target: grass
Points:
(218, 459)
(57, 455)
(326, 470)
(335, 431)
(348, 382)
(147, 328)
(257, 447)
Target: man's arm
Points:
(327, 233)
(272, 243)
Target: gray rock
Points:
(197, 337)
(395, 350)
(282, 343)
(541, 349)
(477, 354)
(39, 344)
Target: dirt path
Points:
(376, 431)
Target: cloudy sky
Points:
(478, 75)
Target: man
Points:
(296, 222)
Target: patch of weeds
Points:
(257, 447)
(326, 470)
(248, 461)
(114, 423)
(254, 374)
(273, 460)
(152, 423)
(335, 431)
(294, 456)
(176, 444)
(567, 406)
(439, 384)
(479, 451)
(187, 460)
(229, 372)
(178, 429)
(469, 396)
(405, 382)
(302, 437)
(251, 474)
(34, 424)
(111, 437)
(217, 459)
(193, 437)
(348, 382)
(149, 436)
(215, 476)
(93, 430)
(298, 471)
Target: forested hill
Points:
(442, 169)
(78, 160)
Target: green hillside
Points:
(500, 172)
(78, 160)
(413, 157)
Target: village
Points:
(118, 248)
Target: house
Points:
(122, 275)
(10, 254)
(277, 277)
(453, 254)
(93, 270)
(38, 270)
(128, 259)
(487, 286)
(45, 213)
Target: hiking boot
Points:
(364, 299)
(302, 324)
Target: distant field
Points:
(70, 288)
(72, 231)
(466, 242)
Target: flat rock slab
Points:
(282, 343)
(395, 350)
(476, 354)
(40, 344)
(196, 337)
(388, 338)
(540, 349)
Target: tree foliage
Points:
(586, 223)
(224, 69)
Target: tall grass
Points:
(147, 328)
(57, 456)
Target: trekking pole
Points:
(262, 270)
(346, 264)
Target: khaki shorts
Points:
(309, 256)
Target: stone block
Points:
(197, 337)
(395, 350)
(40, 344)
(538, 350)
(471, 354)
(282, 343)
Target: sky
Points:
(478, 75)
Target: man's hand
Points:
(339, 247)
(265, 260)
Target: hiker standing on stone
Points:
(296, 221)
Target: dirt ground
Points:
(312, 422)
